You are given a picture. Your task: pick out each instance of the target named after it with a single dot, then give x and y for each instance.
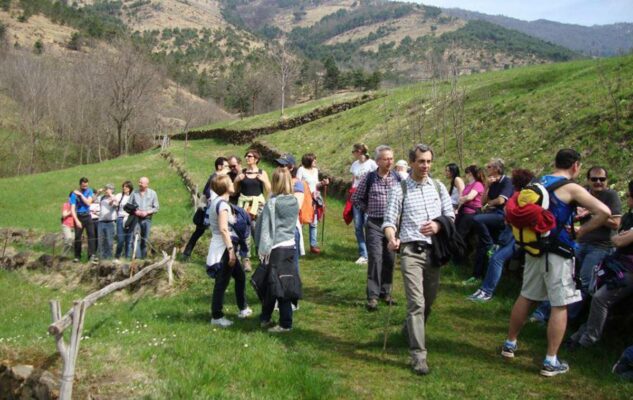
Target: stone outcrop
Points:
(24, 382)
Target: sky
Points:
(581, 12)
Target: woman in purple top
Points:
(470, 201)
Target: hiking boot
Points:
(472, 281)
(550, 369)
(508, 349)
(315, 250)
(389, 300)
(266, 324)
(372, 305)
(361, 261)
(420, 367)
(245, 313)
(278, 329)
(294, 306)
(222, 322)
(246, 263)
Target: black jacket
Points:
(447, 243)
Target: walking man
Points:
(80, 201)
(371, 197)
(550, 275)
(146, 200)
(412, 208)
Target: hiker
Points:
(310, 173)
(275, 239)
(549, 274)
(371, 197)
(253, 185)
(505, 249)
(146, 200)
(469, 203)
(457, 183)
(615, 280)
(107, 217)
(222, 262)
(402, 168)
(235, 166)
(489, 224)
(363, 165)
(221, 165)
(123, 236)
(68, 227)
(416, 217)
(95, 211)
(80, 200)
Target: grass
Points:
(164, 347)
(35, 201)
(522, 115)
(271, 118)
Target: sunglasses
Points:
(250, 156)
(596, 179)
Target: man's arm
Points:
(598, 209)
(392, 214)
(623, 239)
(155, 205)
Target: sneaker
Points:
(246, 263)
(508, 349)
(474, 295)
(266, 324)
(472, 281)
(295, 307)
(372, 305)
(361, 261)
(480, 297)
(278, 329)
(245, 313)
(420, 367)
(553, 370)
(222, 322)
(94, 258)
(75, 260)
(315, 250)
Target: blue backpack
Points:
(242, 225)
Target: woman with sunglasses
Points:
(253, 185)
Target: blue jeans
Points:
(359, 223)
(495, 267)
(314, 233)
(488, 226)
(145, 225)
(106, 238)
(587, 257)
(123, 240)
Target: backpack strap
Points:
(371, 178)
(403, 186)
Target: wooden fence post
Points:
(170, 271)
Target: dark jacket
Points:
(447, 243)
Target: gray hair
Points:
(498, 164)
(381, 148)
(422, 148)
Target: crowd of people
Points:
(556, 227)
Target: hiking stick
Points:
(323, 223)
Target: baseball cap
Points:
(286, 159)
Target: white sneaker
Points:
(245, 313)
(295, 308)
(222, 322)
(361, 261)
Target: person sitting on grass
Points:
(222, 263)
(275, 241)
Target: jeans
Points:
(487, 226)
(222, 282)
(359, 223)
(145, 226)
(123, 240)
(88, 226)
(587, 257)
(314, 233)
(380, 262)
(495, 267)
(200, 229)
(106, 239)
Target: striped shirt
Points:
(423, 203)
(376, 202)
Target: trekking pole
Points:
(323, 223)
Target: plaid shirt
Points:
(376, 202)
(423, 203)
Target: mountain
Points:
(596, 40)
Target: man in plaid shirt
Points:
(426, 199)
(371, 197)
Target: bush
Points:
(5, 4)
(75, 42)
(38, 47)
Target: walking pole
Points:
(323, 223)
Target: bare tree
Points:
(285, 70)
(611, 83)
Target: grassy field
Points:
(522, 115)
(35, 201)
(272, 117)
(164, 347)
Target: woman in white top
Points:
(222, 263)
(123, 238)
(457, 184)
(310, 173)
(363, 165)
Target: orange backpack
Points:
(306, 212)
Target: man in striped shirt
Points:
(414, 212)
(371, 197)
